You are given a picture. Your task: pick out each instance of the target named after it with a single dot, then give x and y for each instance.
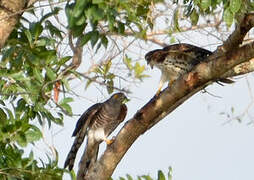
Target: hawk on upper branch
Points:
(176, 60)
(97, 123)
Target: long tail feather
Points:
(69, 162)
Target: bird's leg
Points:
(160, 87)
(170, 83)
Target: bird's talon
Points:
(110, 141)
(157, 93)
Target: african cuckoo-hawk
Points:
(97, 123)
(176, 60)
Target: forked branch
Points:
(160, 106)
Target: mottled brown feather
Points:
(176, 60)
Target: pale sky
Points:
(195, 140)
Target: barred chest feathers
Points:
(173, 68)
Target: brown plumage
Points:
(176, 60)
(98, 122)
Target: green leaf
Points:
(94, 13)
(104, 41)
(69, 10)
(121, 27)
(67, 108)
(107, 66)
(50, 73)
(98, 14)
(66, 84)
(98, 1)
(79, 8)
(170, 177)
(18, 76)
(147, 177)
(36, 29)
(110, 86)
(10, 115)
(88, 83)
(138, 69)
(38, 75)
(228, 17)
(63, 60)
(21, 105)
(205, 4)
(161, 176)
(172, 40)
(139, 178)
(235, 5)
(2, 102)
(194, 17)
(110, 76)
(21, 139)
(94, 37)
(175, 20)
(33, 134)
(81, 20)
(41, 42)
(54, 31)
(3, 116)
(66, 100)
(28, 36)
(127, 62)
(128, 177)
(77, 31)
(86, 38)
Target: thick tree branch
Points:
(236, 38)
(240, 69)
(7, 21)
(160, 106)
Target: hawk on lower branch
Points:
(97, 123)
(176, 60)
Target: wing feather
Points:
(86, 118)
(123, 113)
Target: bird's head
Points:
(120, 97)
(149, 58)
(155, 56)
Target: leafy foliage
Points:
(116, 15)
(197, 8)
(34, 71)
(14, 166)
(160, 176)
(29, 68)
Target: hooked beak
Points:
(151, 65)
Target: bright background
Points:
(200, 140)
(196, 140)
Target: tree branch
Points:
(236, 38)
(8, 22)
(240, 69)
(160, 106)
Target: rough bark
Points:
(10, 11)
(225, 60)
